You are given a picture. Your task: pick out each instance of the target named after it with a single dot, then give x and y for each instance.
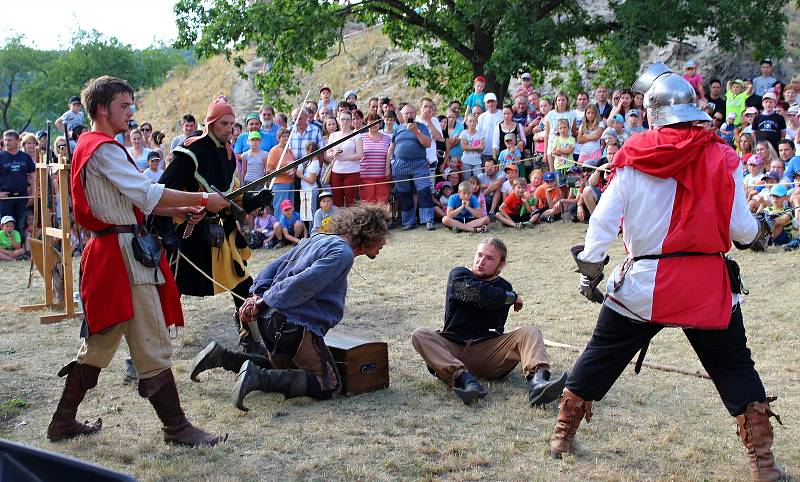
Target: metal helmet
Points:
(668, 97)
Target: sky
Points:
(141, 24)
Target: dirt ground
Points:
(654, 426)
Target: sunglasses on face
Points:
(61, 146)
(146, 129)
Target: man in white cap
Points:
(488, 120)
(676, 192)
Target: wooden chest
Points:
(363, 364)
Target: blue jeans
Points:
(279, 193)
(403, 171)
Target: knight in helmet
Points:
(676, 192)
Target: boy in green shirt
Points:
(735, 99)
(10, 241)
(781, 215)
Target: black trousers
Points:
(723, 353)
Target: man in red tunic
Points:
(125, 293)
(677, 194)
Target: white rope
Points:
(180, 253)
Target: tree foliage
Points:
(35, 85)
(464, 38)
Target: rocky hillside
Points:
(371, 66)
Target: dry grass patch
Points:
(654, 426)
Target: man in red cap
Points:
(216, 247)
(126, 291)
(677, 194)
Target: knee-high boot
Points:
(571, 410)
(291, 383)
(216, 356)
(756, 433)
(80, 378)
(162, 393)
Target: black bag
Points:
(146, 247)
(213, 233)
(734, 274)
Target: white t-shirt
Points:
(473, 158)
(486, 123)
(552, 119)
(141, 162)
(154, 176)
(589, 147)
(307, 169)
(506, 187)
(348, 149)
(430, 152)
(255, 165)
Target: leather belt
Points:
(113, 230)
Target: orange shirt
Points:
(541, 196)
(272, 163)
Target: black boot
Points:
(468, 389)
(291, 383)
(216, 356)
(247, 341)
(542, 389)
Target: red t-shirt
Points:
(541, 196)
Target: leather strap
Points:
(678, 254)
(114, 230)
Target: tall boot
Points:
(571, 410)
(80, 378)
(163, 396)
(756, 433)
(468, 388)
(291, 383)
(543, 389)
(216, 356)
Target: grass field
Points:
(654, 426)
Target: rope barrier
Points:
(8, 198)
(208, 277)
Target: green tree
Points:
(18, 66)
(464, 38)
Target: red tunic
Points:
(105, 287)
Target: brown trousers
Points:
(309, 357)
(488, 359)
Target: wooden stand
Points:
(44, 255)
(363, 364)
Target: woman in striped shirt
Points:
(376, 168)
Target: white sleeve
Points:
(744, 227)
(521, 134)
(496, 137)
(114, 164)
(607, 217)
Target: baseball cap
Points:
(7, 219)
(479, 78)
(252, 115)
(689, 63)
(490, 96)
(442, 184)
(779, 191)
(731, 115)
(74, 100)
(633, 113)
(755, 160)
(41, 134)
(751, 110)
(526, 76)
(512, 167)
(549, 177)
(324, 87)
(575, 170)
(254, 135)
(738, 81)
(321, 195)
(772, 175)
(510, 137)
(766, 61)
(153, 155)
(618, 118)
(769, 95)
(795, 109)
(350, 93)
(285, 204)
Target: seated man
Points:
(476, 308)
(296, 299)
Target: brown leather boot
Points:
(163, 396)
(80, 378)
(756, 433)
(571, 410)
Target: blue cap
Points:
(549, 177)
(41, 134)
(779, 191)
(618, 118)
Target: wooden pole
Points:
(655, 366)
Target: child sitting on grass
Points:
(546, 197)
(781, 214)
(478, 192)
(441, 197)
(10, 241)
(516, 210)
(263, 233)
(322, 216)
(289, 229)
(464, 211)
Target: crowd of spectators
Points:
(473, 165)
